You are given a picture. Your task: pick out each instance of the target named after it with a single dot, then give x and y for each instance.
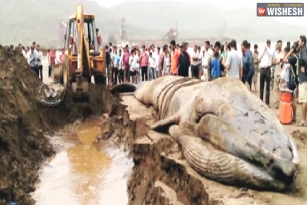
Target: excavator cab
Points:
(89, 32)
(83, 57)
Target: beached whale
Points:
(243, 143)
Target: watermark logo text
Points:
(280, 9)
(51, 94)
(261, 11)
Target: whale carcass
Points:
(244, 144)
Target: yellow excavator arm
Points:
(81, 41)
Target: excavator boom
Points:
(84, 58)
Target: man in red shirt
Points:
(51, 61)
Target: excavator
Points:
(83, 57)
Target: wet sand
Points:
(84, 172)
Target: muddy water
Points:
(83, 173)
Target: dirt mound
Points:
(24, 119)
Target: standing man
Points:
(174, 58)
(278, 55)
(99, 40)
(207, 55)
(302, 96)
(115, 66)
(58, 54)
(184, 62)
(52, 61)
(195, 62)
(144, 64)
(215, 63)
(32, 60)
(248, 64)
(158, 57)
(39, 56)
(108, 63)
(126, 66)
(265, 71)
(256, 66)
(233, 62)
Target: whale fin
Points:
(164, 124)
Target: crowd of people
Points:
(33, 56)
(279, 68)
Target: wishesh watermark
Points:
(280, 9)
(51, 94)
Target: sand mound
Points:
(24, 119)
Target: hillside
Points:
(201, 20)
(32, 20)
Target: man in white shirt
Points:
(39, 56)
(208, 53)
(157, 56)
(152, 66)
(265, 71)
(277, 56)
(233, 62)
(58, 54)
(195, 62)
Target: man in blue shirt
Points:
(32, 60)
(248, 63)
(115, 66)
(215, 63)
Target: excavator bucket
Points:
(57, 73)
(80, 91)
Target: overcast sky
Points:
(229, 4)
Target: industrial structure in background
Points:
(122, 31)
(121, 39)
(172, 34)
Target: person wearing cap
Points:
(174, 58)
(183, 61)
(265, 71)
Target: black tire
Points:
(99, 79)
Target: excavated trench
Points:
(159, 175)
